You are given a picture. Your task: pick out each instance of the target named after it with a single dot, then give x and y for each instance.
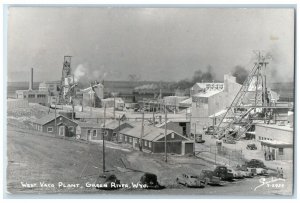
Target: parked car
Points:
(211, 130)
(255, 163)
(251, 147)
(110, 182)
(209, 178)
(261, 171)
(199, 139)
(252, 170)
(247, 174)
(222, 172)
(244, 171)
(190, 180)
(229, 141)
(236, 173)
(150, 180)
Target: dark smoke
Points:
(240, 73)
(199, 76)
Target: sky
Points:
(167, 44)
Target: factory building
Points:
(93, 95)
(116, 102)
(33, 96)
(210, 100)
(51, 86)
(173, 102)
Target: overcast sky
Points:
(155, 43)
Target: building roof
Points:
(114, 124)
(204, 84)
(33, 91)
(46, 119)
(274, 126)
(276, 143)
(151, 133)
(186, 101)
(219, 113)
(208, 93)
(117, 99)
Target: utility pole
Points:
(114, 106)
(142, 132)
(195, 138)
(104, 139)
(55, 124)
(153, 117)
(119, 127)
(166, 117)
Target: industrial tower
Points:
(67, 88)
(253, 103)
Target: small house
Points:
(88, 131)
(59, 125)
(113, 127)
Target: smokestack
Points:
(31, 79)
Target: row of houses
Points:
(151, 140)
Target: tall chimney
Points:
(31, 79)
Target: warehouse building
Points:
(153, 140)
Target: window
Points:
(280, 151)
(94, 133)
(88, 132)
(130, 139)
(125, 138)
(145, 143)
(31, 96)
(259, 137)
(71, 129)
(172, 136)
(149, 144)
(50, 129)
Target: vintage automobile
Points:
(255, 163)
(229, 141)
(211, 130)
(247, 174)
(222, 172)
(236, 173)
(209, 178)
(190, 180)
(261, 171)
(110, 182)
(199, 139)
(244, 171)
(150, 180)
(251, 147)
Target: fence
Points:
(220, 155)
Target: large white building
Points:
(276, 141)
(210, 100)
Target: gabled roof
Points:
(114, 124)
(48, 118)
(151, 133)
